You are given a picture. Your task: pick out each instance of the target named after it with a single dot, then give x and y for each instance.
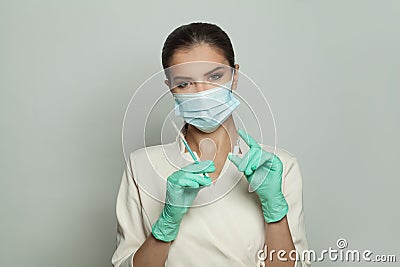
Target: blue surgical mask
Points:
(206, 110)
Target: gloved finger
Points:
(234, 159)
(271, 161)
(206, 166)
(259, 159)
(246, 159)
(248, 139)
(253, 160)
(187, 183)
(199, 179)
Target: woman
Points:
(232, 230)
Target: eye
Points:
(215, 76)
(183, 85)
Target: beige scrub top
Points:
(224, 227)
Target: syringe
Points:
(186, 144)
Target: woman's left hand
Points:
(263, 171)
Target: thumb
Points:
(235, 159)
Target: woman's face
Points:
(200, 68)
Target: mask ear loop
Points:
(236, 146)
(233, 75)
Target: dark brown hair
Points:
(196, 33)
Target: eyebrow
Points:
(207, 73)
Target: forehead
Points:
(199, 53)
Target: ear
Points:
(167, 83)
(235, 77)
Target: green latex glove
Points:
(182, 188)
(263, 171)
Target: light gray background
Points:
(69, 68)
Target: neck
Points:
(219, 141)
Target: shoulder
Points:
(144, 151)
(284, 155)
(150, 151)
(288, 159)
(153, 160)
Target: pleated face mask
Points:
(206, 110)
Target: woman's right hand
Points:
(182, 188)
